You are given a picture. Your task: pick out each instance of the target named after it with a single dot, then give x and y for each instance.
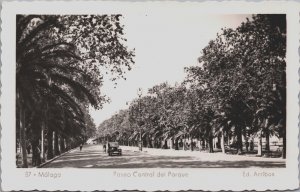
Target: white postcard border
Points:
(211, 179)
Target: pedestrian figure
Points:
(28, 148)
(80, 146)
(247, 145)
(251, 145)
(186, 145)
(104, 148)
(37, 159)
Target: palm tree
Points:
(47, 72)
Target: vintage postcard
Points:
(162, 95)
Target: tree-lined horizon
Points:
(60, 64)
(237, 90)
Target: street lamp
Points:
(139, 93)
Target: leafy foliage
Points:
(60, 64)
(238, 89)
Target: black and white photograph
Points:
(150, 93)
(188, 97)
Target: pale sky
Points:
(164, 44)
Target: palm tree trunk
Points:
(62, 144)
(211, 144)
(36, 156)
(176, 144)
(50, 144)
(146, 141)
(183, 142)
(219, 142)
(203, 144)
(228, 139)
(259, 145)
(149, 144)
(199, 143)
(239, 140)
(172, 143)
(56, 148)
(284, 145)
(166, 146)
(223, 142)
(267, 140)
(23, 137)
(69, 144)
(43, 143)
(214, 143)
(191, 144)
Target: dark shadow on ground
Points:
(129, 159)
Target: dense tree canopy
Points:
(60, 64)
(237, 91)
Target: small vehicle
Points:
(113, 148)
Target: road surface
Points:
(92, 156)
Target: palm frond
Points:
(76, 86)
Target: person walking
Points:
(247, 145)
(251, 145)
(104, 148)
(80, 146)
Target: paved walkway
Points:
(92, 156)
(203, 155)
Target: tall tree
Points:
(64, 57)
(244, 69)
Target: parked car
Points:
(113, 148)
